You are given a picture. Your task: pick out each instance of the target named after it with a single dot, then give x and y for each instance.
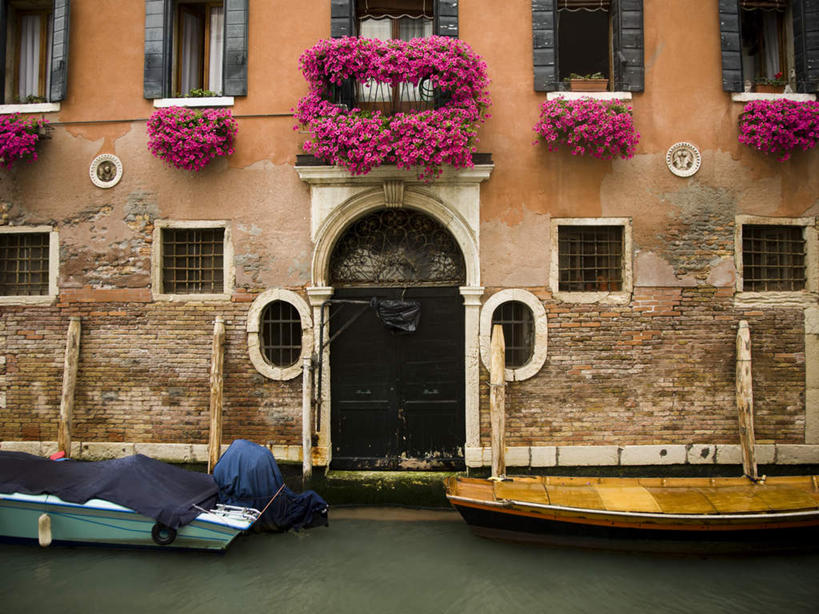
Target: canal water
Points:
(395, 561)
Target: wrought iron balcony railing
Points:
(387, 98)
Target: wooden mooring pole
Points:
(217, 362)
(745, 401)
(497, 401)
(72, 355)
(307, 421)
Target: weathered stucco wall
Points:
(656, 370)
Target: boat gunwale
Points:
(509, 503)
(109, 506)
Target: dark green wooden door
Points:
(398, 399)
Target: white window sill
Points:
(604, 298)
(35, 107)
(210, 101)
(798, 300)
(749, 96)
(192, 298)
(38, 299)
(592, 95)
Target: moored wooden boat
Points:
(655, 514)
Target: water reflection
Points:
(373, 560)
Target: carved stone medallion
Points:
(105, 171)
(683, 159)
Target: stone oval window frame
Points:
(254, 315)
(541, 331)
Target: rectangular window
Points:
(29, 32)
(24, 264)
(767, 40)
(199, 46)
(584, 38)
(773, 258)
(393, 19)
(590, 258)
(193, 260)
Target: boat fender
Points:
(44, 530)
(163, 535)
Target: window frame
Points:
(53, 266)
(54, 56)
(777, 298)
(157, 256)
(614, 297)
(253, 329)
(540, 337)
(179, 8)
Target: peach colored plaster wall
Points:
(257, 188)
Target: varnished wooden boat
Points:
(649, 514)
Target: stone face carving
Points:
(105, 171)
(683, 159)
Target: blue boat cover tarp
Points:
(248, 476)
(155, 489)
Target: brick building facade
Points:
(635, 374)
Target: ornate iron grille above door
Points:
(397, 247)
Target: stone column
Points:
(472, 397)
(317, 296)
(812, 375)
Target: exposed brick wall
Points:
(143, 375)
(660, 370)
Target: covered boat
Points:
(131, 501)
(649, 514)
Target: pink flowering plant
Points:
(423, 139)
(600, 128)
(190, 138)
(19, 137)
(779, 126)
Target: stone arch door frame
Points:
(337, 199)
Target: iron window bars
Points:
(590, 258)
(280, 334)
(773, 258)
(24, 264)
(192, 260)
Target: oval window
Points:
(518, 332)
(280, 334)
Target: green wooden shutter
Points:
(806, 44)
(730, 35)
(158, 48)
(59, 50)
(627, 34)
(446, 18)
(234, 71)
(342, 18)
(544, 45)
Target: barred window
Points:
(518, 332)
(280, 334)
(193, 260)
(24, 264)
(590, 258)
(773, 258)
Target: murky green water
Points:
(412, 562)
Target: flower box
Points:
(589, 85)
(423, 139)
(761, 88)
(190, 138)
(599, 128)
(779, 126)
(19, 137)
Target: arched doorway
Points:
(397, 395)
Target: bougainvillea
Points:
(19, 137)
(779, 126)
(190, 138)
(424, 140)
(600, 128)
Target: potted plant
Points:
(595, 82)
(768, 85)
(190, 138)
(19, 137)
(599, 128)
(779, 126)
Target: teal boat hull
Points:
(99, 522)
